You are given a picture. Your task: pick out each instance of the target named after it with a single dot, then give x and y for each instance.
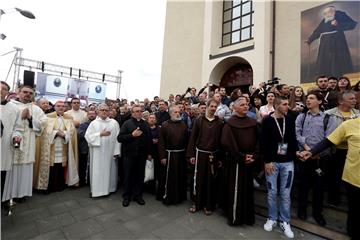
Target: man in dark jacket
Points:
(136, 145)
(84, 148)
(162, 115)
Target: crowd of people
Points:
(212, 147)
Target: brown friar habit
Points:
(172, 180)
(204, 145)
(240, 136)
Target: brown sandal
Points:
(192, 209)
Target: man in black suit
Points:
(136, 146)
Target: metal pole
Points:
(17, 66)
(119, 84)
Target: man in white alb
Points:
(19, 179)
(8, 118)
(101, 136)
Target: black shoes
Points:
(126, 202)
(320, 220)
(139, 200)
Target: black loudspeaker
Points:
(29, 78)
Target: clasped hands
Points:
(304, 155)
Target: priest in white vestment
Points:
(19, 179)
(101, 136)
(9, 117)
(58, 162)
(78, 115)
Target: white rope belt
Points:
(196, 163)
(168, 165)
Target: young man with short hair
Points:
(279, 146)
(311, 128)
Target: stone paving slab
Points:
(72, 214)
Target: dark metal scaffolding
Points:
(64, 71)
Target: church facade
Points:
(235, 43)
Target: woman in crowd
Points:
(297, 100)
(343, 84)
(269, 107)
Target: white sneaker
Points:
(269, 225)
(287, 229)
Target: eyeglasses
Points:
(137, 111)
(104, 110)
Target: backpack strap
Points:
(326, 121)
(303, 121)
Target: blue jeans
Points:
(285, 171)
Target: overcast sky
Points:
(102, 36)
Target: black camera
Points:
(273, 81)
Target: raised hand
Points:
(137, 132)
(249, 158)
(25, 114)
(105, 132)
(163, 161)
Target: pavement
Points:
(72, 214)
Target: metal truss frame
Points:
(63, 71)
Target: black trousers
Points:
(309, 178)
(336, 167)
(3, 177)
(134, 173)
(353, 221)
(56, 178)
(83, 163)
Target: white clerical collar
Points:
(210, 119)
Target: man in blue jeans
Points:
(279, 146)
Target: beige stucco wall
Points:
(183, 47)
(259, 57)
(193, 32)
(288, 39)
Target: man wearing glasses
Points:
(78, 115)
(136, 147)
(101, 137)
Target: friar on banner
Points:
(334, 57)
(58, 162)
(240, 139)
(19, 179)
(104, 148)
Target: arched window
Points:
(237, 21)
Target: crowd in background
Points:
(283, 122)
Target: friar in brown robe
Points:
(172, 145)
(240, 137)
(204, 153)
